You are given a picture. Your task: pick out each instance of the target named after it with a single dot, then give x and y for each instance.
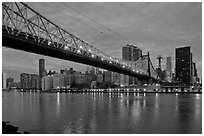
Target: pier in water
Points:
(103, 113)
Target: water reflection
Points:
(103, 112)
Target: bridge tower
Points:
(159, 58)
(149, 65)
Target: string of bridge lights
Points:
(111, 60)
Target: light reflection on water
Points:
(103, 112)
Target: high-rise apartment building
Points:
(35, 81)
(25, 79)
(4, 80)
(116, 78)
(124, 80)
(99, 78)
(169, 69)
(79, 78)
(131, 53)
(58, 81)
(9, 82)
(194, 73)
(41, 67)
(47, 82)
(107, 76)
(183, 65)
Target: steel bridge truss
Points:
(21, 20)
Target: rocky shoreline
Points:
(7, 128)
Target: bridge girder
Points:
(24, 25)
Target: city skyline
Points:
(166, 32)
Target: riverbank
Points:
(111, 91)
(7, 128)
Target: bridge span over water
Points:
(25, 29)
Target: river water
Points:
(103, 113)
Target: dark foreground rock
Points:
(10, 129)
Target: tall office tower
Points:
(183, 65)
(25, 79)
(168, 69)
(35, 81)
(9, 82)
(4, 80)
(58, 81)
(41, 67)
(194, 73)
(47, 82)
(131, 53)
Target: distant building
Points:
(47, 83)
(194, 73)
(183, 65)
(68, 79)
(93, 84)
(58, 81)
(41, 67)
(107, 76)
(93, 74)
(100, 78)
(124, 80)
(88, 78)
(116, 78)
(35, 81)
(25, 80)
(9, 82)
(42, 71)
(4, 81)
(79, 78)
(97, 71)
(131, 53)
(169, 69)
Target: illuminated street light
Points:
(50, 43)
(65, 47)
(78, 51)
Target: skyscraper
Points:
(169, 69)
(35, 81)
(47, 82)
(4, 80)
(183, 65)
(25, 79)
(9, 82)
(41, 67)
(131, 53)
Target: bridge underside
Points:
(27, 45)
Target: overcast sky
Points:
(155, 27)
